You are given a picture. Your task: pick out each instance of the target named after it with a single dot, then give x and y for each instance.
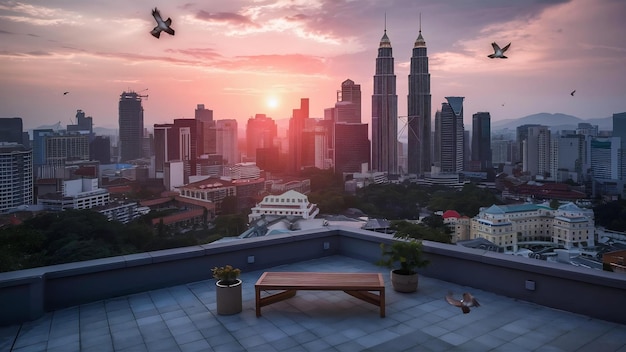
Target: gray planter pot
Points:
(404, 283)
(228, 298)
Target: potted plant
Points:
(228, 289)
(408, 253)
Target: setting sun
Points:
(272, 102)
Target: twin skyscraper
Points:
(385, 111)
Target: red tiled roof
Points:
(451, 214)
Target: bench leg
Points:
(377, 300)
(273, 298)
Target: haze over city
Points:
(240, 58)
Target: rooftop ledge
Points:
(27, 294)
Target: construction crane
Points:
(143, 96)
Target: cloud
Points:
(39, 15)
(225, 17)
(6, 32)
(292, 64)
(200, 53)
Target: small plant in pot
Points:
(407, 252)
(228, 290)
(226, 275)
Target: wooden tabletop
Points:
(321, 281)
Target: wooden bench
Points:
(359, 285)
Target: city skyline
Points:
(270, 54)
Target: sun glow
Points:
(272, 102)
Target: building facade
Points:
(16, 176)
(290, 203)
(385, 111)
(481, 142)
(450, 135)
(419, 111)
(261, 132)
(131, 126)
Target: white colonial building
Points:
(573, 227)
(290, 203)
(508, 225)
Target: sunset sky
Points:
(236, 56)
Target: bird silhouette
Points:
(465, 303)
(66, 93)
(572, 93)
(497, 52)
(161, 25)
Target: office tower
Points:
(16, 176)
(521, 135)
(352, 147)
(297, 124)
(567, 159)
(189, 142)
(261, 131)
(536, 151)
(131, 126)
(206, 117)
(348, 105)
(619, 130)
(481, 141)
(605, 158)
(385, 111)
(419, 110)
(450, 133)
(314, 146)
(11, 130)
(181, 141)
(226, 132)
(83, 123)
(163, 148)
(100, 149)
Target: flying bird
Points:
(572, 93)
(497, 52)
(66, 93)
(465, 303)
(161, 25)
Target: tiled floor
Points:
(183, 318)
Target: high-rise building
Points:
(348, 105)
(16, 176)
(385, 111)
(481, 141)
(261, 131)
(297, 124)
(619, 130)
(11, 130)
(83, 123)
(450, 135)
(352, 147)
(537, 152)
(206, 117)
(100, 149)
(181, 141)
(521, 135)
(419, 110)
(131, 126)
(226, 131)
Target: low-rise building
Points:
(290, 203)
(511, 225)
(459, 225)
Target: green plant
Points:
(407, 252)
(226, 275)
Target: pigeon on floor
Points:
(572, 93)
(465, 303)
(161, 25)
(497, 52)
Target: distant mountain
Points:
(556, 122)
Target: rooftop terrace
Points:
(182, 317)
